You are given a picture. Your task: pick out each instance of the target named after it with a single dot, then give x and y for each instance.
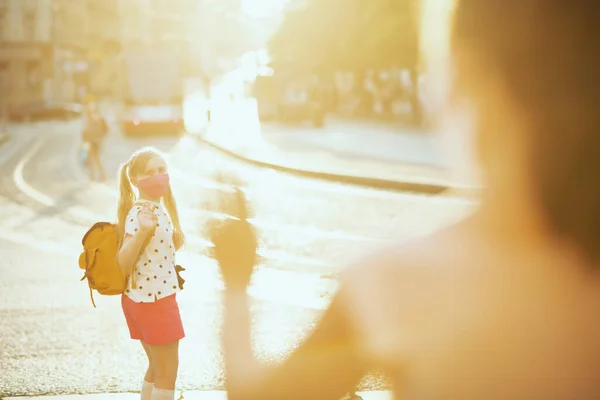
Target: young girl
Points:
(94, 134)
(151, 234)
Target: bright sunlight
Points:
(263, 8)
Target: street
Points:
(52, 341)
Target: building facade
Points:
(156, 25)
(56, 51)
(170, 21)
(87, 37)
(70, 45)
(104, 46)
(136, 23)
(26, 52)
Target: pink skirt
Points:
(153, 323)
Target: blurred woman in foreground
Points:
(505, 304)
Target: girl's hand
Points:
(147, 219)
(235, 245)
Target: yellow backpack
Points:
(99, 260)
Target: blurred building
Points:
(26, 52)
(136, 24)
(87, 36)
(104, 46)
(226, 30)
(55, 51)
(70, 45)
(157, 25)
(171, 22)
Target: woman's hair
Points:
(545, 53)
(135, 166)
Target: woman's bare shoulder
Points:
(423, 257)
(388, 291)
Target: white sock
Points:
(163, 394)
(146, 393)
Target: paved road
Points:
(53, 341)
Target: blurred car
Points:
(152, 119)
(36, 112)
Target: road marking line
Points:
(266, 225)
(15, 146)
(20, 181)
(198, 241)
(20, 238)
(40, 197)
(87, 215)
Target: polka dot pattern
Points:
(157, 263)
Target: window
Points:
(33, 74)
(4, 85)
(3, 73)
(29, 26)
(3, 20)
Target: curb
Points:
(184, 395)
(4, 137)
(372, 183)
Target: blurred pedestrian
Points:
(151, 237)
(93, 136)
(501, 305)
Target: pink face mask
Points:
(155, 186)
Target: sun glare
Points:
(435, 28)
(263, 8)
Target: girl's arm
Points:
(130, 251)
(326, 366)
(140, 224)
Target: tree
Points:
(225, 34)
(350, 34)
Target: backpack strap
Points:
(91, 294)
(89, 254)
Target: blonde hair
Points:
(133, 167)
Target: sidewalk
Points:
(195, 395)
(4, 132)
(363, 153)
(4, 137)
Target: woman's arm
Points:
(326, 366)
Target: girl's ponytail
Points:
(126, 200)
(171, 206)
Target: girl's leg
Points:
(165, 363)
(148, 383)
(90, 163)
(96, 163)
(150, 371)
